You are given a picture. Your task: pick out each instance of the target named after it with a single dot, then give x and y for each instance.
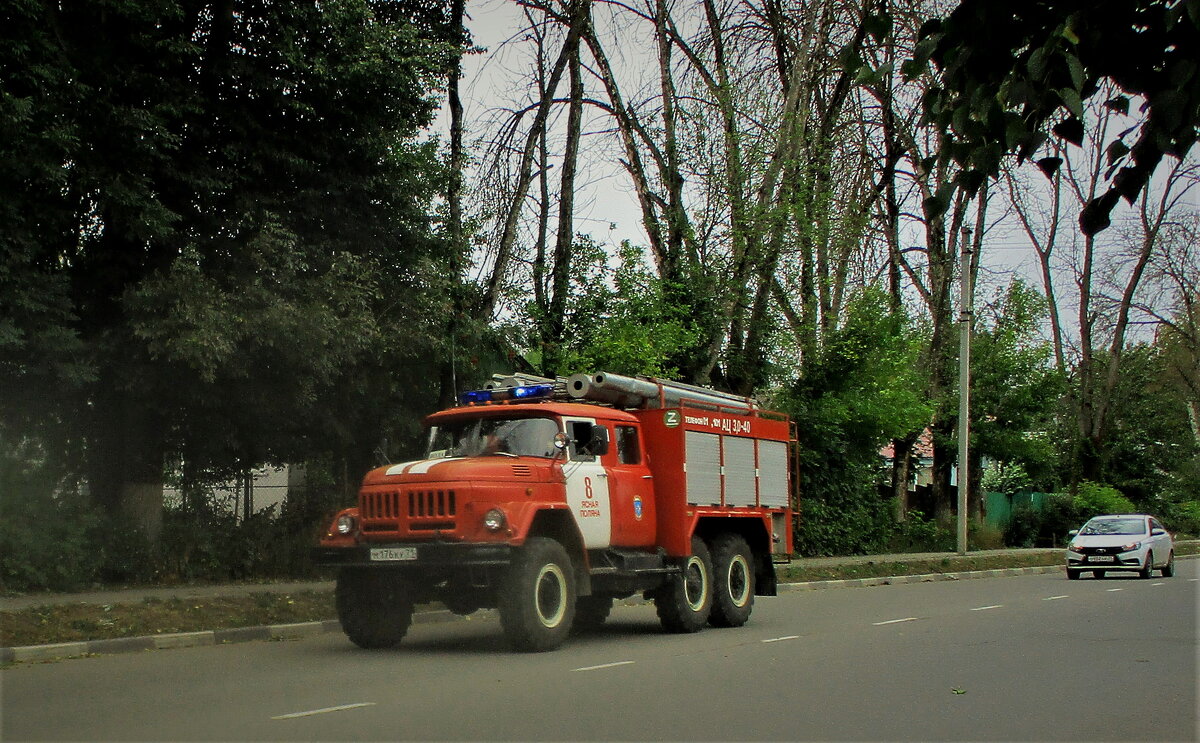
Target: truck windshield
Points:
(520, 437)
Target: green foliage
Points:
(1015, 390)
(217, 239)
(919, 534)
(1183, 517)
(1095, 499)
(1013, 74)
(1006, 478)
(1046, 526)
(618, 317)
(47, 535)
(859, 391)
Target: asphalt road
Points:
(1034, 657)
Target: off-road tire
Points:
(373, 606)
(733, 581)
(1147, 570)
(685, 600)
(591, 612)
(537, 597)
(1168, 570)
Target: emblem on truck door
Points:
(637, 507)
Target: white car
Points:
(1126, 542)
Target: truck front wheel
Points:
(733, 568)
(684, 602)
(537, 597)
(374, 608)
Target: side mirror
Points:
(1072, 533)
(561, 442)
(1157, 532)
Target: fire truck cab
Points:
(549, 500)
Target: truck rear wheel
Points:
(685, 601)
(373, 607)
(537, 597)
(733, 569)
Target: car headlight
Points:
(344, 524)
(1075, 548)
(494, 520)
(1131, 546)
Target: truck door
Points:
(587, 485)
(630, 489)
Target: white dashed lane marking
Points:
(894, 621)
(781, 639)
(1055, 598)
(323, 711)
(1114, 590)
(606, 665)
(985, 608)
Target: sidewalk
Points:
(137, 595)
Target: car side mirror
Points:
(561, 442)
(1157, 532)
(1072, 533)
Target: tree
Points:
(204, 201)
(863, 389)
(1015, 387)
(1017, 72)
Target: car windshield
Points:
(520, 437)
(1114, 526)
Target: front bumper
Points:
(408, 555)
(1124, 561)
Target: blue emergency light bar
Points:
(525, 392)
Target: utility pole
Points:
(966, 311)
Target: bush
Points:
(1095, 499)
(1044, 527)
(1183, 517)
(918, 534)
(853, 527)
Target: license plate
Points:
(393, 554)
(1102, 558)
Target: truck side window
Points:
(580, 433)
(628, 450)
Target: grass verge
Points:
(77, 622)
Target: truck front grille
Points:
(417, 510)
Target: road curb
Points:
(821, 585)
(297, 630)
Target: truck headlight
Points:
(344, 524)
(494, 520)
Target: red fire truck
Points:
(548, 499)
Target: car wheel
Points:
(1097, 573)
(1073, 574)
(1148, 569)
(1169, 569)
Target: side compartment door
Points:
(587, 485)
